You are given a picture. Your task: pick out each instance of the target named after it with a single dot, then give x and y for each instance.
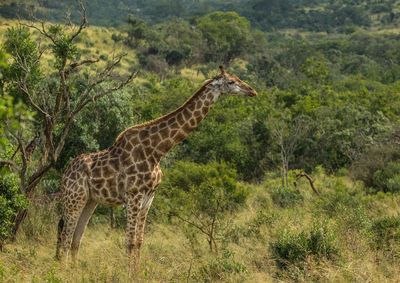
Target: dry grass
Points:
(168, 255)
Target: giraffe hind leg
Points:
(71, 214)
(81, 226)
(146, 203)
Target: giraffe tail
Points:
(59, 237)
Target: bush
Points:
(117, 37)
(104, 57)
(386, 231)
(295, 249)
(375, 158)
(202, 195)
(388, 179)
(10, 202)
(262, 218)
(286, 196)
(221, 268)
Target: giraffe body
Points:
(129, 171)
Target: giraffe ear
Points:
(208, 81)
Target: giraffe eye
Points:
(231, 82)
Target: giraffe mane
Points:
(167, 116)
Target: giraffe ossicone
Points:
(129, 171)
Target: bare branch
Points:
(105, 92)
(23, 83)
(34, 105)
(138, 114)
(193, 224)
(83, 21)
(74, 65)
(102, 76)
(10, 163)
(42, 30)
(310, 180)
(24, 161)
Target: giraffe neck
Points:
(154, 139)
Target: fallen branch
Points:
(310, 180)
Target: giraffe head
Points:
(230, 84)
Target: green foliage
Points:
(3, 62)
(51, 277)
(295, 249)
(386, 232)
(375, 158)
(63, 47)
(388, 179)
(286, 196)
(315, 70)
(268, 15)
(227, 35)
(221, 268)
(19, 45)
(206, 189)
(137, 31)
(202, 196)
(11, 201)
(98, 125)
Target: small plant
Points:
(221, 268)
(51, 277)
(262, 218)
(286, 196)
(339, 201)
(2, 272)
(295, 249)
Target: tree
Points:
(202, 196)
(288, 135)
(227, 34)
(136, 31)
(57, 93)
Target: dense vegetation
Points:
(234, 203)
(313, 15)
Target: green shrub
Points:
(286, 196)
(339, 201)
(221, 268)
(104, 57)
(386, 231)
(262, 218)
(117, 37)
(388, 179)
(201, 195)
(10, 202)
(295, 249)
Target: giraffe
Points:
(129, 171)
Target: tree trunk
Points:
(18, 222)
(210, 243)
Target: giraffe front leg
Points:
(146, 203)
(133, 208)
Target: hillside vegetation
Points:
(301, 183)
